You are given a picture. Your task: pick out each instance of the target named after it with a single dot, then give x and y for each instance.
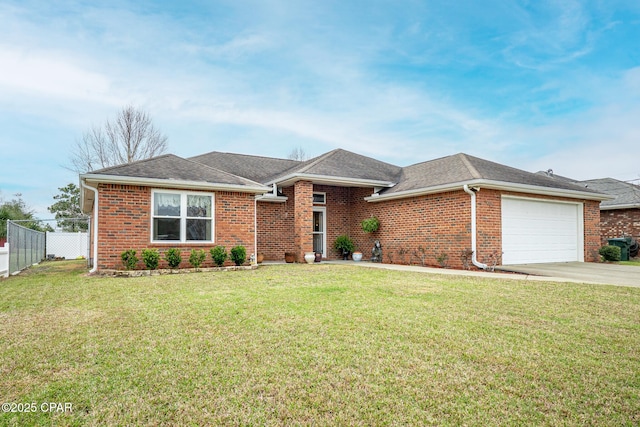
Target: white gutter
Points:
(171, 183)
(94, 229)
(495, 185)
(330, 180)
(474, 258)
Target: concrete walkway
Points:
(513, 275)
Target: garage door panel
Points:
(535, 231)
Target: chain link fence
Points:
(26, 246)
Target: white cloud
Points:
(49, 74)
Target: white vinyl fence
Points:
(67, 245)
(4, 260)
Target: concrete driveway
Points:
(587, 272)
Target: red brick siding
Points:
(125, 223)
(592, 231)
(413, 230)
(275, 227)
(303, 219)
(418, 229)
(620, 223)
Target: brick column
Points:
(303, 218)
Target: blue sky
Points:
(531, 84)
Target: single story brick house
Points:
(620, 216)
(454, 205)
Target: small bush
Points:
(238, 255)
(129, 259)
(151, 258)
(610, 253)
(197, 257)
(173, 257)
(442, 259)
(219, 255)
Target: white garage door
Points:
(535, 231)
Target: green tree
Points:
(17, 210)
(68, 206)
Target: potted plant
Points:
(289, 257)
(356, 256)
(370, 225)
(344, 245)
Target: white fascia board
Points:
(269, 197)
(494, 185)
(288, 180)
(615, 207)
(169, 183)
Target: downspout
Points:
(94, 230)
(474, 258)
(255, 231)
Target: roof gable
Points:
(341, 163)
(256, 168)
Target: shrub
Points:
(219, 255)
(344, 244)
(173, 257)
(610, 253)
(238, 255)
(442, 259)
(129, 259)
(197, 257)
(151, 258)
(370, 225)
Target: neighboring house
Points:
(619, 217)
(450, 205)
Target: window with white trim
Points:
(320, 198)
(179, 216)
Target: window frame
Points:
(319, 193)
(184, 195)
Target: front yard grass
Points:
(317, 345)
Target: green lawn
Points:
(317, 345)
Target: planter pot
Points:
(289, 257)
(318, 257)
(310, 257)
(357, 256)
(260, 258)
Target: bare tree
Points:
(130, 137)
(299, 154)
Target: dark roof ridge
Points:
(246, 155)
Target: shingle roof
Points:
(174, 168)
(340, 165)
(462, 167)
(343, 163)
(625, 194)
(255, 168)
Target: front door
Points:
(319, 227)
